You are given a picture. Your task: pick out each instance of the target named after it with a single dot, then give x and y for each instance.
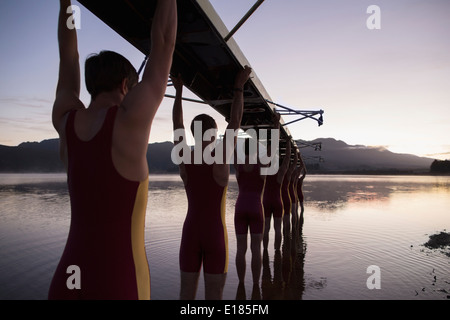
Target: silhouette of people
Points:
(272, 200)
(249, 216)
(295, 191)
(287, 197)
(104, 149)
(204, 237)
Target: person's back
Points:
(251, 187)
(204, 195)
(104, 150)
(249, 178)
(106, 238)
(272, 198)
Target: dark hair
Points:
(105, 72)
(207, 123)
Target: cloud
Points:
(439, 155)
(25, 119)
(27, 102)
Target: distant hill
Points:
(44, 157)
(31, 157)
(338, 157)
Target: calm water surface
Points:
(351, 223)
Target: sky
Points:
(386, 87)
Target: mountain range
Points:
(338, 156)
(334, 157)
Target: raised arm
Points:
(178, 123)
(228, 144)
(276, 120)
(141, 104)
(237, 109)
(68, 87)
(164, 32)
(177, 112)
(237, 106)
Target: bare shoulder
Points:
(63, 105)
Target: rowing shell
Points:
(206, 61)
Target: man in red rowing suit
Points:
(104, 149)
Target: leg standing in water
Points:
(204, 239)
(104, 148)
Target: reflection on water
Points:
(377, 220)
(333, 194)
(286, 280)
(351, 222)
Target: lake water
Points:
(351, 223)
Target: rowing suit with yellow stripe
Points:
(204, 237)
(106, 237)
